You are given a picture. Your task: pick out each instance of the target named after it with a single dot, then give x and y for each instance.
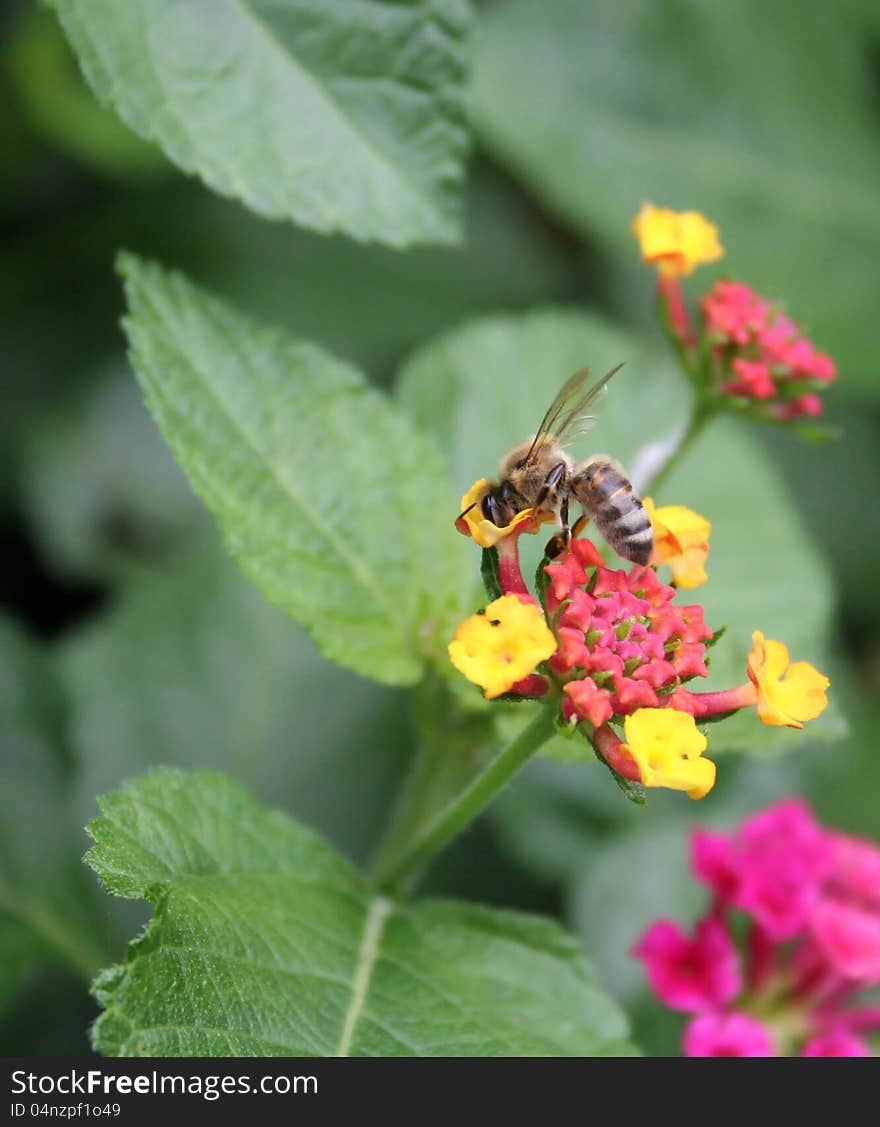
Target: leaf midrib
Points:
(380, 908)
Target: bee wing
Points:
(577, 426)
(566, 417)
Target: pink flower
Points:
(730, 1034)
(772, 867)
(849, 938)
(754, 379)
(856, 870)
(587, 701)
(846, 923)
(622, 639)
(733, 313)
(835, 1043)
(811, 946)
(761, 355)
(690, 974)
(809, 405)
(712, 862)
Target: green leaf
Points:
(342, 117)
(631, 790)
(195, 669)
(284, 949)
(47, 908)
(497, 376)
(489, 573)
(693, 106)
(327, 498)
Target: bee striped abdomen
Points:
(607, 496)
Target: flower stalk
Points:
(706, 406)
(397, 869)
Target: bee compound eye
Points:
(491, 509)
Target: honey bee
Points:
(539, 474)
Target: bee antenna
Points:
(467, 510)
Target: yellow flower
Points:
(787, 694)
(668, 749)
(502, 646)
(681, 539)
(676, 241)
(473, 523)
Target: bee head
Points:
(493, 508)
(502, 503)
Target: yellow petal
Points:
(676, 241)
(502, 646)
(472, 522)
(688, 570)
(681, 539)
(668, 747)
(788, 694)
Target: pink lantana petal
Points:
(773, 867)
(855, 869)
(690, 973)
(835, 1043)
(849, 937)
(727, 1035)
(712, 862)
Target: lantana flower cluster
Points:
(617, 652)
(796, 983)
(623, 646)
(760, 355)
(746, 350)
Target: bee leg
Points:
(553, 480)
(563, 519)
(555, 546)
(558, 543)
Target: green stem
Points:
(54, 935)
(705, 409)
(396, 870)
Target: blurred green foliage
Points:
(130, 641)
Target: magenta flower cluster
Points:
(811, 898)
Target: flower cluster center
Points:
(623, 643)
(769, 358)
